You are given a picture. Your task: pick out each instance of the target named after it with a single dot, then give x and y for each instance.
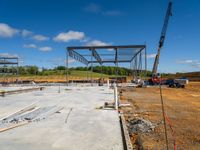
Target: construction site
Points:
(90, 108)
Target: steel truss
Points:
(9, 66)
(132, 54)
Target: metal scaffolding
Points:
(9, 66)
(88, 55)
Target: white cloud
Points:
(86, 39)
(6, 31)
(96, 9)
(40, 38)
(196, 64)
(29, 46)
(151, 55)
(92, 8)
(188, 61)
(8, 55)
(45, 49)
(68, 36)
(113, 13)
(193, 63)
(26, 33)
(71, 60)
(97, 43)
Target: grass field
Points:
(76, 73)
(57, 77)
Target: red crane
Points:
(155, 77)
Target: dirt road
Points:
(182, 106)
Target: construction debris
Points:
(27, 115)
(25, 109)
(13, 126)
(140, 125)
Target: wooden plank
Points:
(14, 126)
(27, 108)
(127, 140)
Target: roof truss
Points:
(115, 54)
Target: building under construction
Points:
(133, 56)
(115, 114)
(9, 68)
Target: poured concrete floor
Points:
(86, 128)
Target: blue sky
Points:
(38, 31)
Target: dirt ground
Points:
(50, 78)
(182, 107)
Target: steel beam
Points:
(96, 56)
(77, 57)
(110, 61)
(106, 47)
(137, 53)
(116, 55)
(8, 63)
(4, 60)
(8, 57)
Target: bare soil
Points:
(182, 107)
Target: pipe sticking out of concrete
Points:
(108, 83)
(115, 96)
(59, 88)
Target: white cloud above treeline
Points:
(151, 55)
(69, 36)
(7, 31)
(97, 9)
(29, 46)
(97, 43)
(93, 8)
(26, 33)
(193, 63)
(45, 49)
(186, 61)
(113, 13)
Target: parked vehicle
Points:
(178, 83)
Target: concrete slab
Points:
(86, 127)
(14, 87)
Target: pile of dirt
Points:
(140, 125)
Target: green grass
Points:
(77, 73)
(73, 73)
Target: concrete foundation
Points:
(79, 126)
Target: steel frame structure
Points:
(6, 62)
(132, 54)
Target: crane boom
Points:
(162, 37)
